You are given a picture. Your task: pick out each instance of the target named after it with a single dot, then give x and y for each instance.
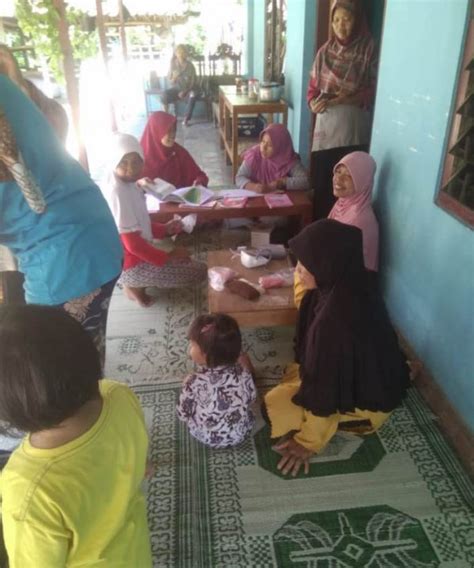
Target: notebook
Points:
(274, 200)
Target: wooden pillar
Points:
(71, 81)
(105, 59)
(123, 36)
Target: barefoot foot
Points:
(138, 295)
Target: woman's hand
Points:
(278, 184)
(182, 94)
(319, 105)
(261, 188)
(174, 227)
(294, 456)
(144, 183)
(179, 254)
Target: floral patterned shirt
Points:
(215, 404)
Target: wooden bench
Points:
(274, 308)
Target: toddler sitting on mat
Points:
(215, 400)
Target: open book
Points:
(166, 192)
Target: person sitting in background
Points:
(349, 367)
(353, 180)
(182, 77)
(273, 164)
(71, 492)
(166, 159)
(145, 264)
(52, 110)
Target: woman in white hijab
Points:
(146, 263)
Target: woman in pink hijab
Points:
(272, 164)
(353, 181)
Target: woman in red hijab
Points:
(164, 158)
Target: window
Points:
(456, 193)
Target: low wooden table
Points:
(231, 105)
(274, 308)
(301, 208)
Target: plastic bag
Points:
(218, 276)
(279, 279)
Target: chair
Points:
(224, 54)
(219, 67)
(152, 89)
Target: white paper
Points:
(152, 202)
(221, 193)
(158, 187)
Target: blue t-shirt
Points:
(73, 247)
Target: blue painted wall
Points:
(427, 255)
(247, 64)
(255, 40)
(301, 33)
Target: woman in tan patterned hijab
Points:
(12, 167)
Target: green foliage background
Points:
(38, 20)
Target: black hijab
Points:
(346, 346)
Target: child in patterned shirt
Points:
(215, 401)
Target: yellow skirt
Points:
(313, 432)
(298, 290)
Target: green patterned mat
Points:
(395, 499)
(398, 498)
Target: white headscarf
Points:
(126, 200)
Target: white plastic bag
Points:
(279, 279)
(218, 276)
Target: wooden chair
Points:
(219, 63)
(152, 89)
(224, 54)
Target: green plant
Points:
(38, 20)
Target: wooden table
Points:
(231, 105)
(274, 308)
(255, 207)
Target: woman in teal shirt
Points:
(53, 218)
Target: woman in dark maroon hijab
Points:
(166, 159)
(351, 368)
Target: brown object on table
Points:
(243, 289)
(231, 105)
(275, 307)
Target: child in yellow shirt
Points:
(71, 491)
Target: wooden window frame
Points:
(443, 199)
